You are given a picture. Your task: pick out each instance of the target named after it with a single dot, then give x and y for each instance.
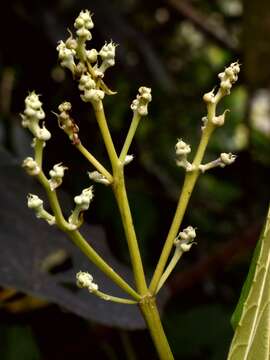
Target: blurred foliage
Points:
(177, 48)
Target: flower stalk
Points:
(89, 68)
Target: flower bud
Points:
(66, 56)
(140, 104)
(227, 159)
(185, 239)
(35, 203)
(85, 280)
(228, 77)
(31, 116)
(56, 174)
(107, 54)
(31, 166)
(98, 177)
(83, 24)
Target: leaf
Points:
(252, 334)
(27, 245)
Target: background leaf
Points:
(28, 245)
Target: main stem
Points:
(151, 316)
(120, 193)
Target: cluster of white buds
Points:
(140, 104)
(82, 202)
(107, 54)
(182, 149)
(85, 280)
(35, 203)
(223, 160)
(88, 86)
(185, 239)
(66, 55)
(31, 166)
(83, 24)
(98, 177)
(31, 116)
(228, 77)
(66, 123)
(56, 174)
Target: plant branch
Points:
(131, 132)
(94, 162)
(189, 183)
(105, 132)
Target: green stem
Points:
(54, 203)
(102, 122)
(94, 162)
(150, 313)
(84, 246)
(116, 299)
(123, 204)
(131, 132)
(174, 260)
(189, 183)
(39, 151)
(122, 200)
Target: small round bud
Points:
(85, 280)
(56, 174)
(83, 200)
(185, 239)
(34, 202)
(209, 97)
(140, 104)
(98, 177)
(31, 166)
(227, 159)
(92, 55)
(182, 148)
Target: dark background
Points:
(177, 48)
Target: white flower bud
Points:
(31, 166)
(56, 174)
(66, 56)
(227, 159)
(83, 24)
(182, 148)
(107, 54)
(82, 202)
(31, 116)
(35, 203)
(128, 159)
(185, 239)
(219, 120)
(140, 104)
(228, 77)
(85, 280)
(92, 55)
(86, 82)
(98, 177)
(209, 97)
(93, 95)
